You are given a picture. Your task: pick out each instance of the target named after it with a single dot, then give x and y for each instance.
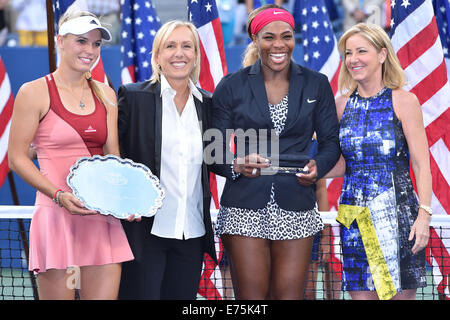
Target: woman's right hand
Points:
(74, 205)
(251, 165)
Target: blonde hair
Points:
(251, 54)
(95, 85)
(161, 36)
(392, 72)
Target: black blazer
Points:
(140, 119)
(240, 101)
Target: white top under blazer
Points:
(181, 216)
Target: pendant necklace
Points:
(82, 105)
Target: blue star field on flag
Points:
(139, 26)
(400, 9)
(201, 12)
(316, 33)
(442, 13)
(60, 6)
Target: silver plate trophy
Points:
(286, 164)
(115, 186)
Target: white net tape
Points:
(328, 217)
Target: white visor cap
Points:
(82, 25)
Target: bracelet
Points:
(428, 209)
(56, 197)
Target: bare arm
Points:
(279, 2)
(407, 109)
(25, 121)
(249, 6)
(322, 195)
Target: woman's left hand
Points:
(420, 229)
(306, 179)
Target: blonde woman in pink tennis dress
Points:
(67, 115)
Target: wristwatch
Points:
(428, 209)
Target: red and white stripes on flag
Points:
(98, 71)
(331, 69)
(204, 15)
(213, 62)
(416, 40)
(6, 108)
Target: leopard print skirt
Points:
(270, 222)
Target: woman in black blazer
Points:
(161, 124)
(267, 220)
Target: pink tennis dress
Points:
(59, 239)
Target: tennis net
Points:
(323, 281)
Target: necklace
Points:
(380, 92)
(82, 105)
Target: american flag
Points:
(204, 15)
(415, 37)
(59, 8)
(321, 54)
(442, 13)
(319, 43)
(6, 108)
(139, 26)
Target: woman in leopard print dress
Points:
(267, 221)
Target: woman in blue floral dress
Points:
(385, 225)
